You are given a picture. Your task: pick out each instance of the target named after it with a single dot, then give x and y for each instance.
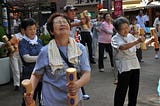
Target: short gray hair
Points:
(119, 21)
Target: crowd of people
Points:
(46, 68)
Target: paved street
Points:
(101, 88)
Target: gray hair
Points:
(119, 21)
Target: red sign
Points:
(118, 8)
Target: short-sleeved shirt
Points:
(125, 60)
(19, 36)
(157, 22)
(141, 21)
(146, 17)
(73, 29)
(54, 90)
(33, 50)
(103, 36)
(96, 25)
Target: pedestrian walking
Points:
(15, 60)
(96, 30)
(141, 20)
(104, 41)
(156, 25)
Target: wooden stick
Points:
(9, 45)
(156, 43)
(143, 44)
(28, 86)
(71, 75)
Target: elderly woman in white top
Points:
(124, 45)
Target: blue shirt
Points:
(33, 50)
(54, 90)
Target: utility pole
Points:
(107, 4)
(5, 15)
(110, 6)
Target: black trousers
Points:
(127, 80)
(159, 39)
(87, 39)
(108, 48)
(139, 54)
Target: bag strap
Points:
(78, 74)
(65, 59)
(68, 63)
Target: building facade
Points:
(41, 9)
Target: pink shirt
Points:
(106, 31)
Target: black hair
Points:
(50, 23)
(27, 22)
(104, 15)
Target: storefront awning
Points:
(126, 7)
(133, 7)
(153, 4)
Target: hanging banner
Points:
(118, 10)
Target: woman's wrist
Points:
(138, 40)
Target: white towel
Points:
(55, 59)
(33, 41)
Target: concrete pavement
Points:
(101, 88)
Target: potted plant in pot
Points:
(4, 60)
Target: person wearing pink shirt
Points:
(104, 40)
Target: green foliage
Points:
(3, 51)
(45, 38)
(2, 32)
